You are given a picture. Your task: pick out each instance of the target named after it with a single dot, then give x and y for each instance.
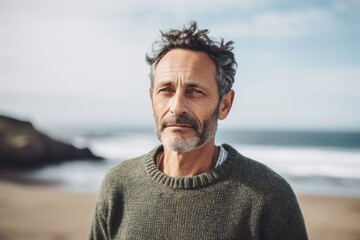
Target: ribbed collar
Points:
(190, 182)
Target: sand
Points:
(36, 212)
(42, 212)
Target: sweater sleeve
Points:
(109, 207)
(282, 218)
(99, 225)
(98, 230)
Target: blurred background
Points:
(76, 70)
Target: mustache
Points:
(180, 119)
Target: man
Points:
(189, 188)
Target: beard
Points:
(180, 144)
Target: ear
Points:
(226, 104)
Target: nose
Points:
(178, 104)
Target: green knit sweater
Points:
(240, 199)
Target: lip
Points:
(179, 126)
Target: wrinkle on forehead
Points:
(186, 62)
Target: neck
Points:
(191, 163)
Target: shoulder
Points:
(268, 188)
(260, 178)
(127, 172)
(124, 170)
(115, 182)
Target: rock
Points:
(22, 146)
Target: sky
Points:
(82, 63)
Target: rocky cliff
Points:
(22, 146)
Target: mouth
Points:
(179, 126)
(179, 123)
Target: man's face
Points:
(185, 100)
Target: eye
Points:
(165, 90)
(195, 91)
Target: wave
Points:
(319, 170)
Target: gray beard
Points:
(181, 145)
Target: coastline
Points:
(45, 212)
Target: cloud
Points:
(290, 81)
(288, 98)
(280, 24)
(89, 55)
(190, 6)
(350, 7)
(60, 52)
(201, 5)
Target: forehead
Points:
(180, 62)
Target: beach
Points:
(44, 212)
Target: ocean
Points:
(320, 163)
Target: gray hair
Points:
(192, 38)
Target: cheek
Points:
(203, 109)
(158, 100)
(159, 106)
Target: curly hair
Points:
(192, 38)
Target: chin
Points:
(180, 144)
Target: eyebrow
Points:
(165, 83)
(194, 85)
(189, 84)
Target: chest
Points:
(188, 214)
